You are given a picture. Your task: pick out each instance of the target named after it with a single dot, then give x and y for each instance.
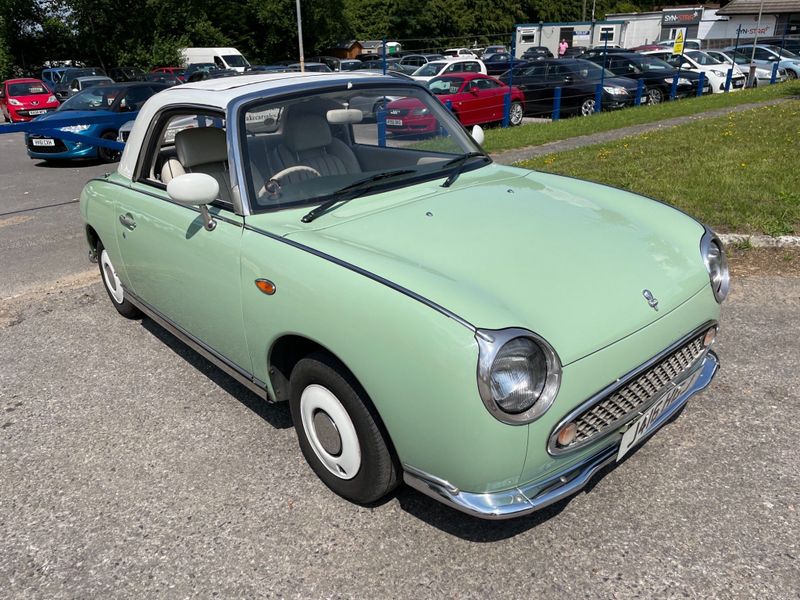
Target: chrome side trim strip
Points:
(536, 495)
(368, 274)
(206, 351)
(622, 381)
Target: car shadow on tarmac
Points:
(72, 164)
(277, 415)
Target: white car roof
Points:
(219, 93)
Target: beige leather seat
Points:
(201, 150)
(307, 141)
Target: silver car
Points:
(766, 56)
(763, 74)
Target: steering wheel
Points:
(272, 187)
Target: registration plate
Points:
(640, 428)
(395, 122)
(37, 112)
(43, 142)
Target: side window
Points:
(218, 62)
(453, 68)
(535, 72)
(762, 54)
(190, 142)
(487, 84)
(74, 85)
(471, 67)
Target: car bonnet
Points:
(562, 257)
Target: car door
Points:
(186, 273)
(495, 97)
(559, 76)
(473, 107)
(531, 82)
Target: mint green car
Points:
(490, 335)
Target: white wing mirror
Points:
(195, 189)
(477, 134)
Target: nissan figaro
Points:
(491, 336)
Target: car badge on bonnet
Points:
(651, 300)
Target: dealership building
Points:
(712, 25)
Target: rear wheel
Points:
(339, 432)
(515, 113)
(113, 285)
(791, 74)
(587, 107)
(107, 154)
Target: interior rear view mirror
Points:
(344, 116)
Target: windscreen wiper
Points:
(460, 162)
(351, 191)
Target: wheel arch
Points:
(92, 237)
(284, 354)
(289, 349)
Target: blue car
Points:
(120, 102)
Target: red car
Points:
(473, 97)
(177, 72)
(24, 99)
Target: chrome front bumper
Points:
(538, 494)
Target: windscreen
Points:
(94, 98)
(27, 89)
(308, 149)
(701, 58)
(429, 70)
(235, 60)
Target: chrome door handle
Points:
(127, 221)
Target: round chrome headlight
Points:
(716, 264)
(518, 374)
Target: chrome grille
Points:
(614, 408)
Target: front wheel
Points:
(515, 114)
(113, 285)
(791, 74)
(655, 96)
(339, 432)
(107, 154)
(587, 107)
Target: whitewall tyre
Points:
(339, 431)
(113, 285)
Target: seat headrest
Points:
(201, 145)
(305, 131)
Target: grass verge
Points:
(738, 173)
(541, 133)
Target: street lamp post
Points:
(752, 74)
(300, 37)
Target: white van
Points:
(224, 58)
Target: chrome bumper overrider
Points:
(538, 494)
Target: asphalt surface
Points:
(130, 467)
